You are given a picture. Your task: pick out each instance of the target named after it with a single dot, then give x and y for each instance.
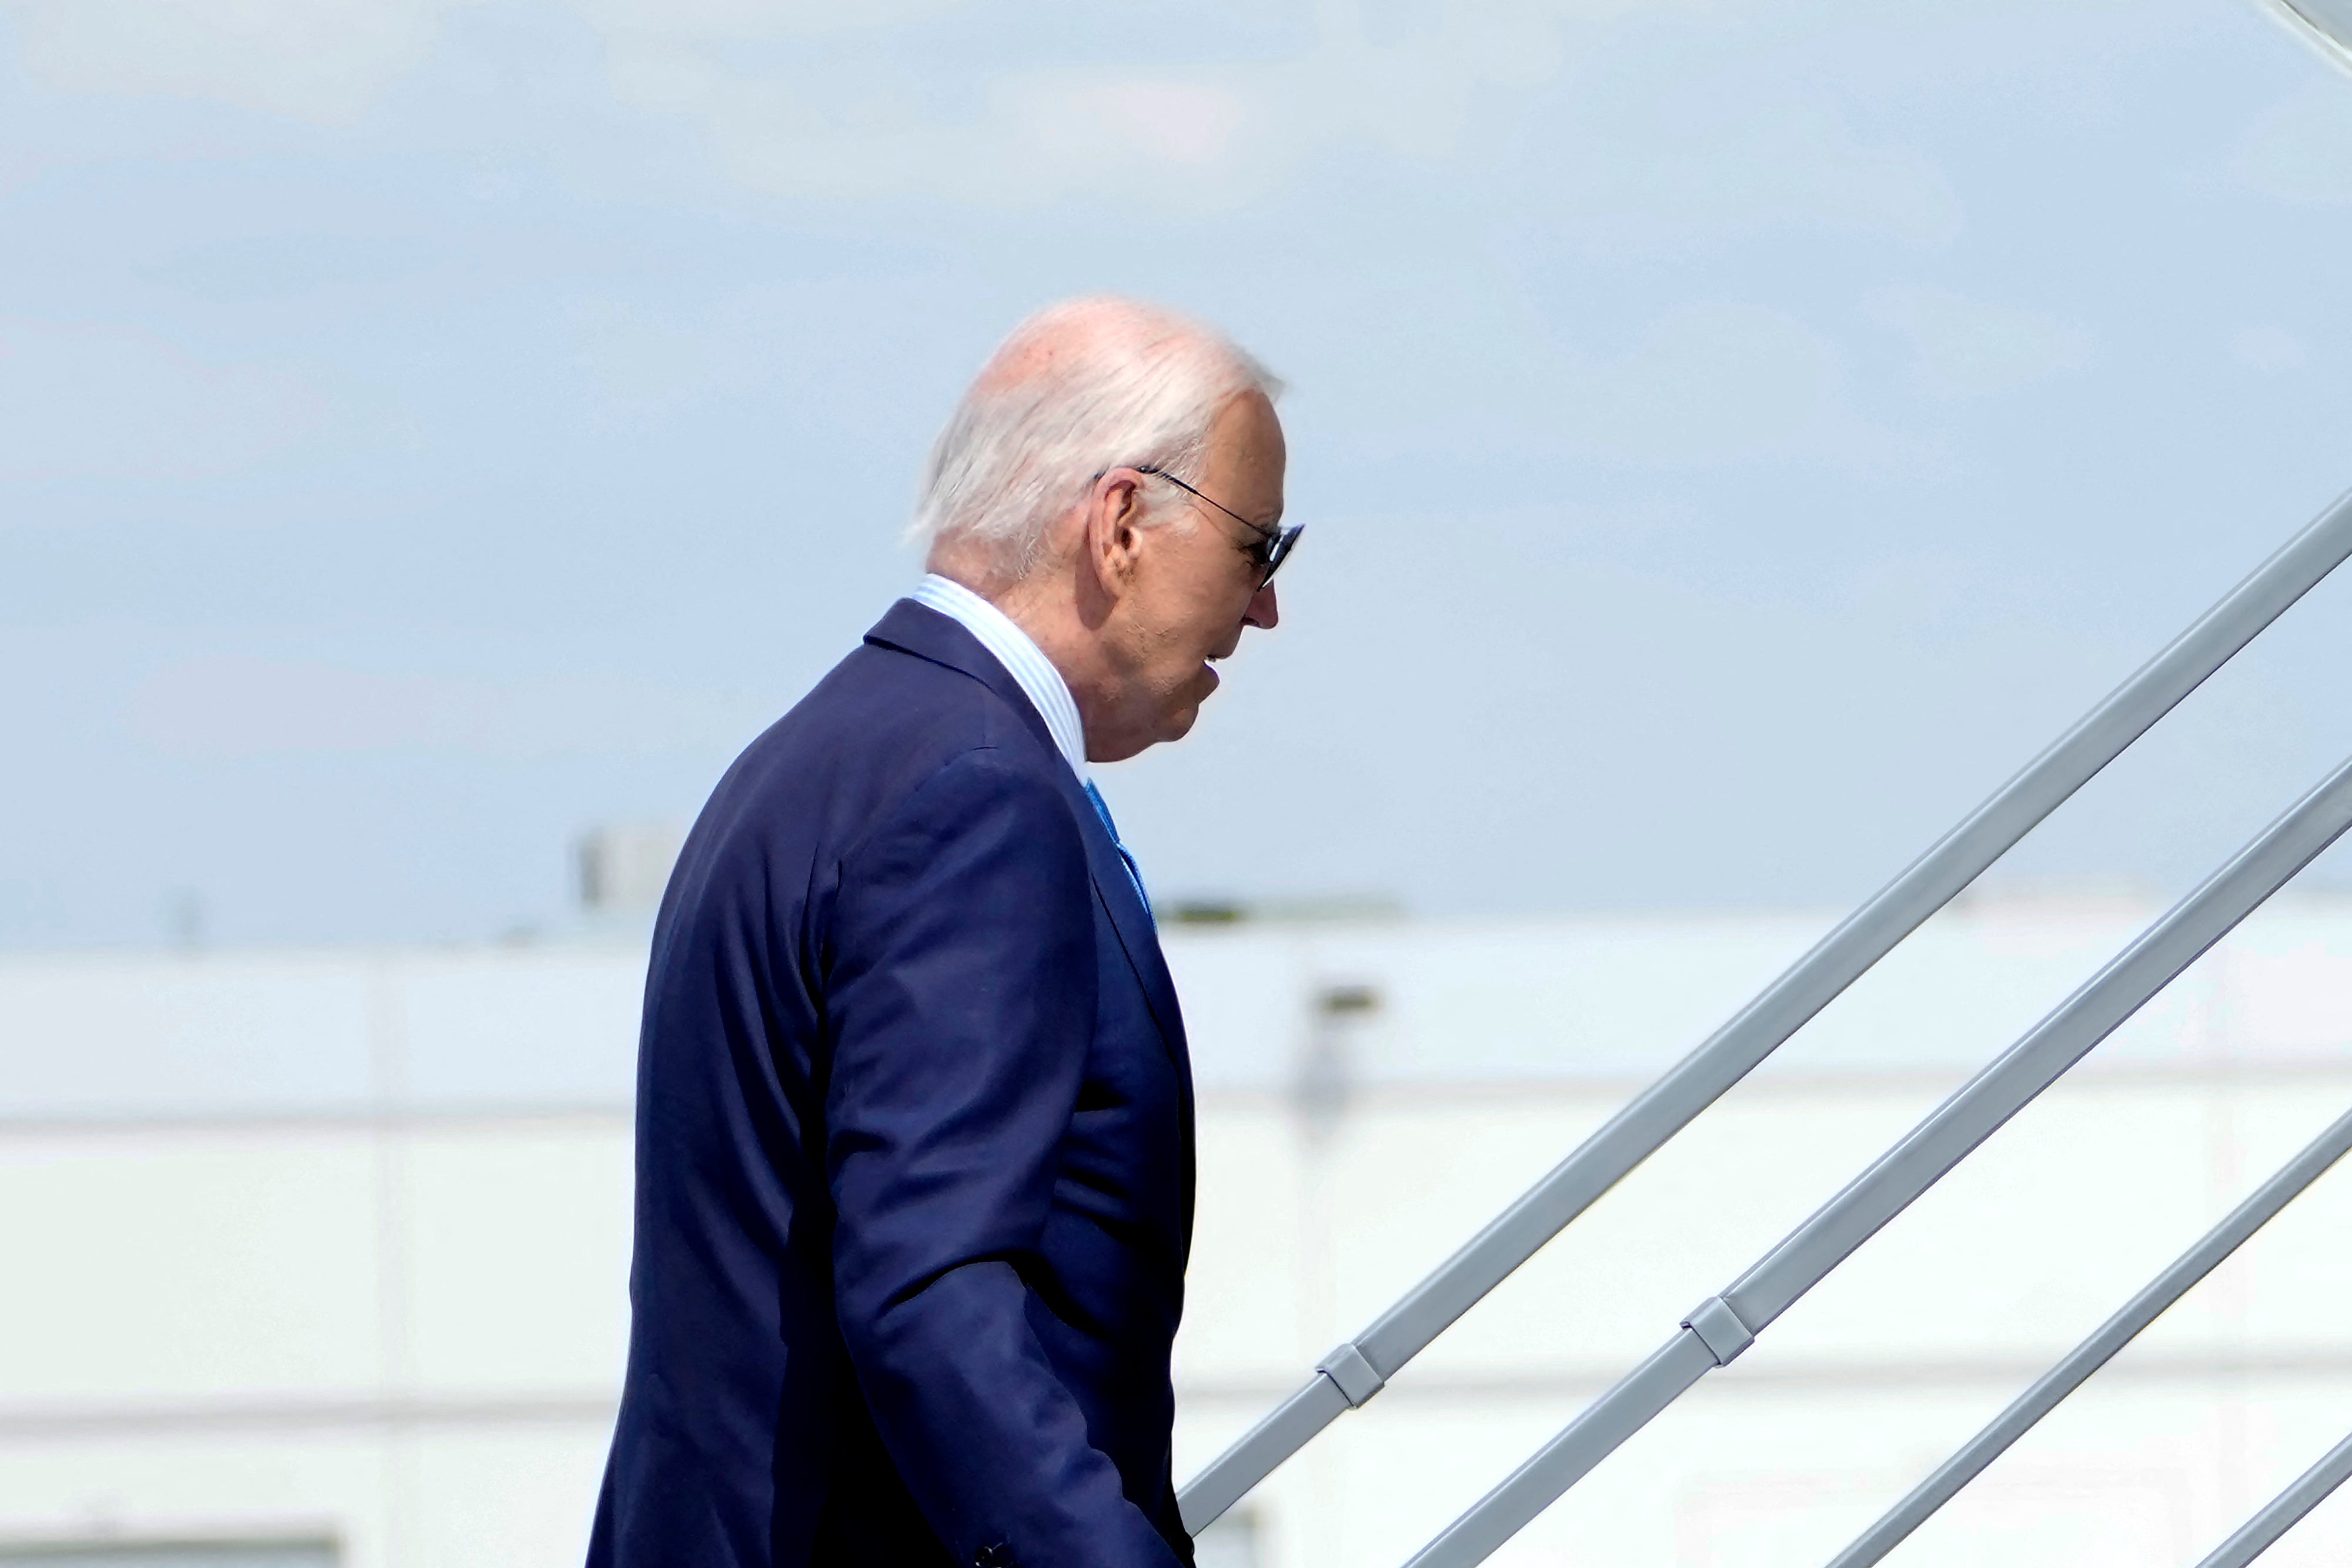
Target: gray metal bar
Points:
(2282, 1514)
(1757, 1030)
(1559, 1464)
(1922, 1156)
(2094, 1353)
(1285, 1430)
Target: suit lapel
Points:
(1114, 887)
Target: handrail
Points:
(1724, 1325)
(2278, 1516)
(1357, 1369)
(2096, 1352)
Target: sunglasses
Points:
(1274, 545)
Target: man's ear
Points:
(1113, 528)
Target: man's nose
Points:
(1262, 612)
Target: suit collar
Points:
(926, 633)
(917, 629)
(1049, 692)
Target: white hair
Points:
(1078, 388)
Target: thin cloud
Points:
(1718, 383)
(2269, 349)
(812, 101)
(233, 706)
(78, 401)
(1667, 176)
(1966, 347)
(2299, 151)
(324, 61)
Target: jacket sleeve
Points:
(960, 992)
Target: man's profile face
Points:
(1196, 585)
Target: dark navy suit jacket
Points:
(914, 1153)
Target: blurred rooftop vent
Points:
(1334, 908)
(1326, 1077)
(624, 866)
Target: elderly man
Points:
(913, 1116)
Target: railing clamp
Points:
(1720, 1329)
(1354, 1376)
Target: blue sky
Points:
(1733, 436)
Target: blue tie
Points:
(1111, 828)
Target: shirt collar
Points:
(1023, 659)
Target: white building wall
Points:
(333, 1246)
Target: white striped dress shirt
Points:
(1023, 659)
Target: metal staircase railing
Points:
(1724, 1325)
(2096, 1352)
(2279, 1515)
